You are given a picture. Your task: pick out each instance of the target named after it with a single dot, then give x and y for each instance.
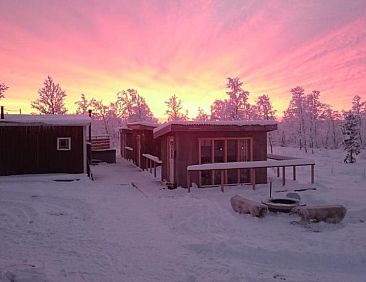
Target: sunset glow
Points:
(184, 47)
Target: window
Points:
(63, 144)
(219, 150)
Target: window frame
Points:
(61, 148)
(225, 139)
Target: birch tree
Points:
(3, 88)
(175, 109)
(201, 115)
(265, 111)
(131, 107)
(51, 99)
(296, 113)
(83, 105)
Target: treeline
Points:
(308, 122)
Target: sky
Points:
(187, 48)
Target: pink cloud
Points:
(184, 47)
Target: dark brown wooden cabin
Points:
(190, 143)
(38, 144)
(137, 139)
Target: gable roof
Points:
(235, 125)
(60, 120)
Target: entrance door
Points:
(171, 149)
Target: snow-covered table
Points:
(252, 165)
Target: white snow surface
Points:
(125, 226)
(64, 120)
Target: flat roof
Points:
(235, 125)
(142, 125)
(61, 120)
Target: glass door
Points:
(244, 155)
(219, 157)
(205, 157)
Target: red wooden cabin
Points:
(36, 144)
(191, 142)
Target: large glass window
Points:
(224, 150)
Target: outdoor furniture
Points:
(252, 165)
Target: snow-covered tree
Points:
(314, 111)
(265, 111)
(351, 134)
(131, 106)
(103, 113)
(3, 88)
(51, 99)
(236, 106)
(83, 105)
(220, 110)
(238, 99)
(175, 109)
(264, 108)
(331, 130)
(359, 109)
(201, 115)
(295, 114)
(358, 106)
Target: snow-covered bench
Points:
(327, 213)
(243, 205)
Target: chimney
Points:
(2, 112)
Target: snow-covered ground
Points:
(111, 230)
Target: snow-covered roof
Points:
(143, 123)
(65, 120)
(166, 127)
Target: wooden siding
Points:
(33, 150)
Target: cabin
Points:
(137, 139)
(188, 143)
(39, 144)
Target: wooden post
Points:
(294, 172)
(283, 176)
(278, 171)
(312, 174)
(150, 166)
(252, 176)
(188, 182)
(222, 180)
(154, 169)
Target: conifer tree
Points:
(351, 134)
